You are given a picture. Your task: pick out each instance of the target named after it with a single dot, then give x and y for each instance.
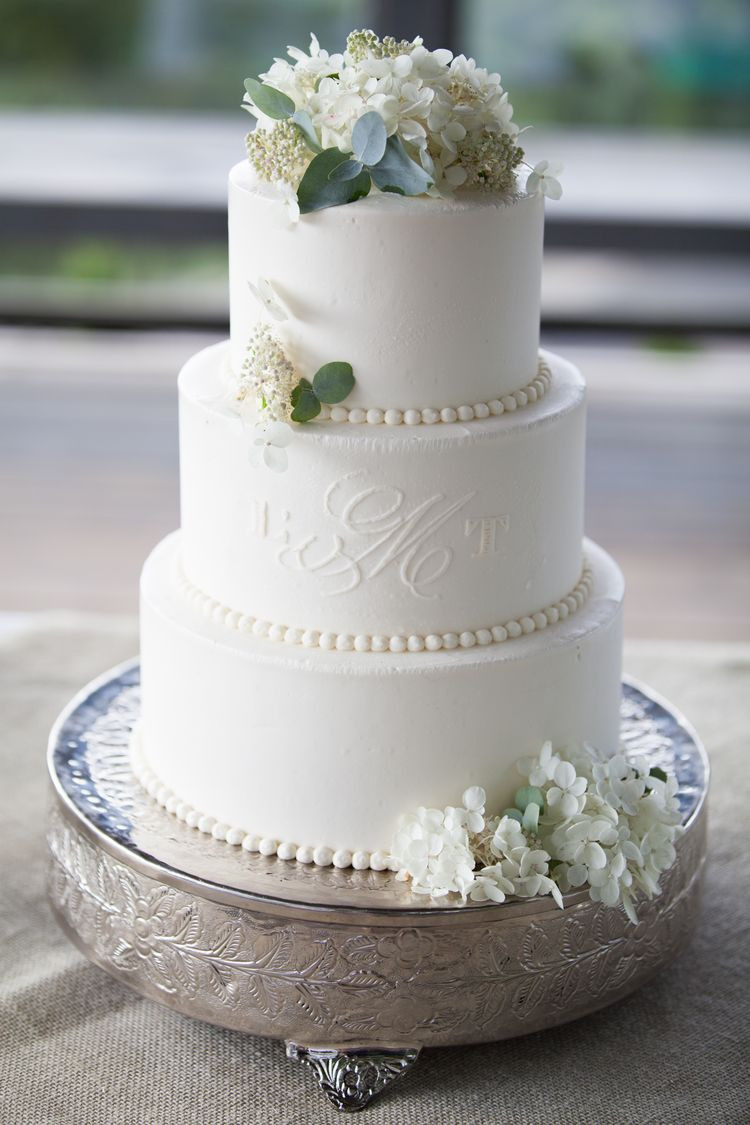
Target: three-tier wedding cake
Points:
(380, 595)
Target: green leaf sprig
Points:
(269, 100)
(333, 177)
(331, 384)
(280, 107)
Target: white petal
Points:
(577, 875)
(475, 822)
(455, 175)
(279, 434)
(474, 798)
(568, 804)
(276, 459)
(255, 292)
(454, 131)
(255, 455)
(552, 187)
(565, 774)
(595, 856)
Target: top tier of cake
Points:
(434, 302)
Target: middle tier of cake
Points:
(378, 535)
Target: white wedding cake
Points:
(380, 594)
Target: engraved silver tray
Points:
(351, 969)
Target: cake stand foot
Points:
(352, 1076)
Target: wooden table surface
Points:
(88, 472)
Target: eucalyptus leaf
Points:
(333, 382)
(397, 172)
(655, 771)
(303, 385)
(346, 171)
(303, 121)
(307, 405)
(369, 138)
(268, 100)
(528, 795)
(317, 190)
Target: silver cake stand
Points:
(350, 969)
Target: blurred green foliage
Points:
(672, 64)
(110, 259)
(675, 63)
(160, 54)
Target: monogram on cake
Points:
(381, 597)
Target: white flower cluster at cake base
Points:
(580, 821)
(435, 122)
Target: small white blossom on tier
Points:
(582, 821)
(267, 298)
(267, 377)
(543, 179)
(269, 444)
(431, 847)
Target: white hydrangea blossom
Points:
(609, 825)
(453, 116)
(268, 298)
(267, 377)
(268, 448)
(543, 180)
(431, 847)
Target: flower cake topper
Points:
(386, 115)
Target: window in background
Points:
(681, 63)
(152, 54)
(677, 64)
(124, 117)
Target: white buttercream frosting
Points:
(433, 301)
(432, 415)
(390, 532)
(323, 749)
(380, 642)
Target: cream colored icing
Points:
(380, 642)
(325, 749)
(432, 301)
(391, 532)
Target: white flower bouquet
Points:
(580, 821)
(383, 113)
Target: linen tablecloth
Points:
(78, 1047)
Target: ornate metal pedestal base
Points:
(354, 972)
(353, 1077)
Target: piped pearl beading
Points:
(320, 855)
(381, 642)
(431, 415)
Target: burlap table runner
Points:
(77, 1047)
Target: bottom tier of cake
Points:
(314, 754)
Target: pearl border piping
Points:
(429, 415)
(320, 855)
(364, 642)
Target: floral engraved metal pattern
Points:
(189, 922)
(337, 983)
